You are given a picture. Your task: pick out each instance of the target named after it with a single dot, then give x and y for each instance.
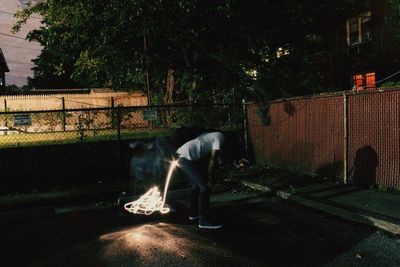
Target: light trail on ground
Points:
(152, 200)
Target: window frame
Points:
(362, 32)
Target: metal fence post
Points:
(112, 113)
(119, 125)
(245, 128)
(345, 137)
(5, 116)
(63, 113)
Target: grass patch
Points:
(69, 137)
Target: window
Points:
(353, 31)
(370, 80)
(358, 81)
(359, 29)
(364, 81)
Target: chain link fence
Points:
(354, 137)
(52, 127)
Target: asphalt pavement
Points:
(260, 229)
(267, 222)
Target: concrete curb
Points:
(343, 213)
(340, 212)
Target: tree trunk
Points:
(170, 87)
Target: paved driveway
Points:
(257, 232)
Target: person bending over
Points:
(203, 146)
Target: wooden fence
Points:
(94, 99)
(62, 119)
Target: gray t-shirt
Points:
(201, 146)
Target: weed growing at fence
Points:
(382, 188)
(47, 121)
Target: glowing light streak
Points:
(152, 201)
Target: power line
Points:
(9, 35)
(19, 62)
(20, 47)
(12, 14)
(22, 72)
(25, 72)
(6, 12)
(18, 75)
(388, 77)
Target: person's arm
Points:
(218, 139)
(211, 163)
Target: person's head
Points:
(184, 134)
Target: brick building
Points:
(371, 46)
(364, 49)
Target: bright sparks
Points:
(152, 201)
(148, 203)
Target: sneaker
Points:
(209, 225)
(194, 217)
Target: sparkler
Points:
(152, 201)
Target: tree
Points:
(392, 23)
(189, 48)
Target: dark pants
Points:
(200, 192)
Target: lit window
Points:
(358, 82)
(364, 81)
(370, 80)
